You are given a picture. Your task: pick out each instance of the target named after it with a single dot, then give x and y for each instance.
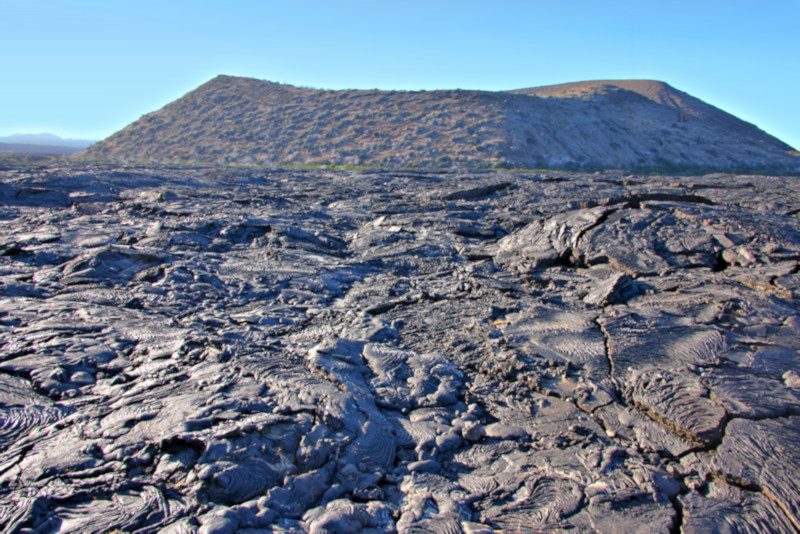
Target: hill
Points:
(44, 144)
(597, 124)
(43, 150)
(45, 139)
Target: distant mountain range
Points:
(637, 124)
(42, 143)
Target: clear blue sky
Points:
(88, 68)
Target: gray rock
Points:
(473, 431)
(425, 466)
(449, 441)
(505, 431)
(333, 350)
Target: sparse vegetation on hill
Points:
(587, 125)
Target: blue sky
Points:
(88, 68)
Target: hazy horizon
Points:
(88, 69)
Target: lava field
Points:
(220, 350)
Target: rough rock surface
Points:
(240, 350)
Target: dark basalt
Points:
(219, 350)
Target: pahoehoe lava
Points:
(219, 350)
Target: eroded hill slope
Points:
(608, 124)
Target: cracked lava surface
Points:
(242, 350)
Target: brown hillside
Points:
(629, 123)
